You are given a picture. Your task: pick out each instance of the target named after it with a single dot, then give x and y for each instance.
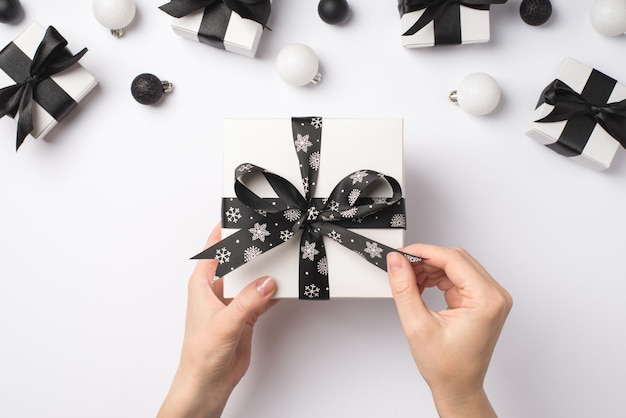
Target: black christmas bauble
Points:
(9, 10)
(147, 89)
(333, 12)
(535, 12)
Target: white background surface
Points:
(97, 225)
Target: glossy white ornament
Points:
(298, 65)
(114, 14)
(478, 94)
(608, 17)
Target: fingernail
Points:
(265, 285)
(394, 262)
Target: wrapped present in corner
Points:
(581, 114)
(233, 25)
(315, 203)
(444, 22)
(40, 81)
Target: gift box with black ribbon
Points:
(444, 22)
(315, 203)
(40, 81)
(581, 114)
(233, 25)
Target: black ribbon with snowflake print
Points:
(267, 223)
(445, 14)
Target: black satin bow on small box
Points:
(257, 10)
(445, 13)
(270, 222)
(33, 82)
(570, 105)
(583, 111)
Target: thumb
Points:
(252, 301)
(403, 282)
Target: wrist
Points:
(189, 397)
(463, 403)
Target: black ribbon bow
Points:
(257, 10)
(50, 58)
(436, 8)
(280, 218)
(569, 104)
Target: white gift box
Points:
(240, 35)
(347, 145)
(75, 81)
(600, 147)
(474, 28)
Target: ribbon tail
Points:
(248, 243)
(25, 121)
(372, 251)
(259, 11)
(564, 111)
(180, 8)
(63, 64)
(429, 15)
(313, 267)
(10, 100)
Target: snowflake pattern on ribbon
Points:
(251, 253)
(316, 122)
(314, 160)
(244, 167)
(259, 232)
(222, 255)
(233, 214)
(311, 291)
(349, 213)
(335, 236)
(312, 213)
(286, 235)
(308, 250)
(292, 215)
(373, 249)
(303, 143)
(358, 176)
(353, 196)
(322, 266)
(398, 220)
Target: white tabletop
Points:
(98, 224)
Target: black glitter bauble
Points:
(333, 12)
(147, 89)
(535, 12)
(9, 10)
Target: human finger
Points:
(460, 267)
(250, 302)
(406, 292)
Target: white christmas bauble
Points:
(608, 17)
(114, 14)
(478, 94)
(298, 65)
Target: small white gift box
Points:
(581, 138)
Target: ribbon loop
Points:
(51, 57)
(569, 104)
(434, 9)
(257, 10)
(279, 218)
